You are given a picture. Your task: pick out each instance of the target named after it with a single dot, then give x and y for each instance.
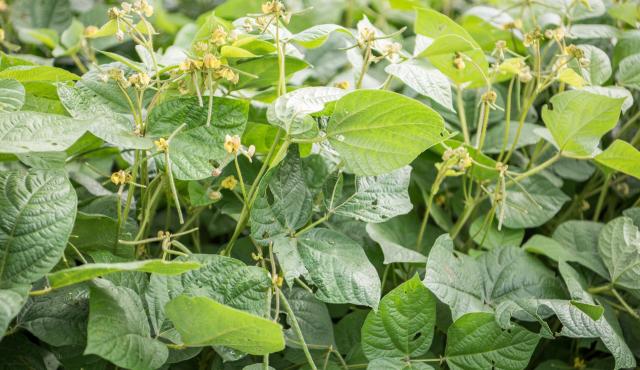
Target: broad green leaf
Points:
(313, 318)
(627, 12)
(376, 198)
(11, 301)
(598, 71)
(475, 341)
(195, 149)
(475, 285)
(619, 246)
(594, 31)
(433, 24)
(99, 232)
(85, 104)
(316, 36)
(397, 364)
(490, 237)
(571, 78)
(424, 79)
(291, 111)
(403, 325)
(531, 203)
(578, 324)
(58, 318)
(348, 331)
(90, 271)
(55, 14)
(286, 249)
(224, 279)
(578, 119)
(613, 92)
(284, 203)
(397, 238)
(444, 49)
(37, 210)
(118, 329)
(12, 95)
(621, 156)
(377, 131)
(580, 297)
(339, 268)
(201, 321)
(38, 73)
(265, 70)
(24, 132)
(18, 351)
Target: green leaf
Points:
(619, 246)
(38, 73)
(55, 14)
(433, 24)
(284, 203)
(490, 237)
(316, 36)
(494, 140)
(599, 69)
(313, 318)
(118, 329)
(377, 131)
(12, 95)
(291, 111)
(58, 318)
(397, 364)
(224, 279)
(424, 79)
(403, 325)
(11, 301)
(37, 209)
(265, 71)
(622, 157)
(531, 203)
(479, 285)
(442, 52)
(376, 198)
(201, 321)
(90, 271)
(195, 149)
(397, 238)
(24, 132)
(339, 268)
(85, 104)
(626, 12)
(578, 119)
(475, 341)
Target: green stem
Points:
(482, 128)
(468, 210)
(624, 304)
(313, 224)
(296, 328)
(462, 115)
(603, 195)
(365, 66)
(539, 167)
(507, 119)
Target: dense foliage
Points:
(380, 184)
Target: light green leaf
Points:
(594, 31)
(403, 325)
(424, 79)
(339, 268)
(628, 12)
(613, 92)
(266, 71)
(11, 301)
(313, 318)
(58, 318)
(397, 238)
(316, 36)
(37, 209)
(490, 237)
(377, 131)
(621, 156)
(90, 271)
(195, 149)
(475, 341)
(55, 14)
(578, 119)
(397, 364)
(118, 329)
(377, 198)
(85, 104)
(12, 95)
(531, 203)
(229, 51)
(444, 49)
(290, 111)
(38, 73)
(476, 285)
(24, 132)
(619, 246)
(434, 24)
(224, 279)
(598, 71)
(201, 321)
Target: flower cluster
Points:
(124, 16)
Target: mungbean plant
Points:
(357, 184)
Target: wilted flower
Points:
(458, 62)
(525, 74)
(210, 61)
(219, 36)
(232, 144)
(215, 195)
(162, 144)
(121, 177)
(229, 183)
(272, 7)
(228, 74)
(140, 80)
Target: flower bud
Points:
(162, 144)
(210, 61)
(215, 195)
